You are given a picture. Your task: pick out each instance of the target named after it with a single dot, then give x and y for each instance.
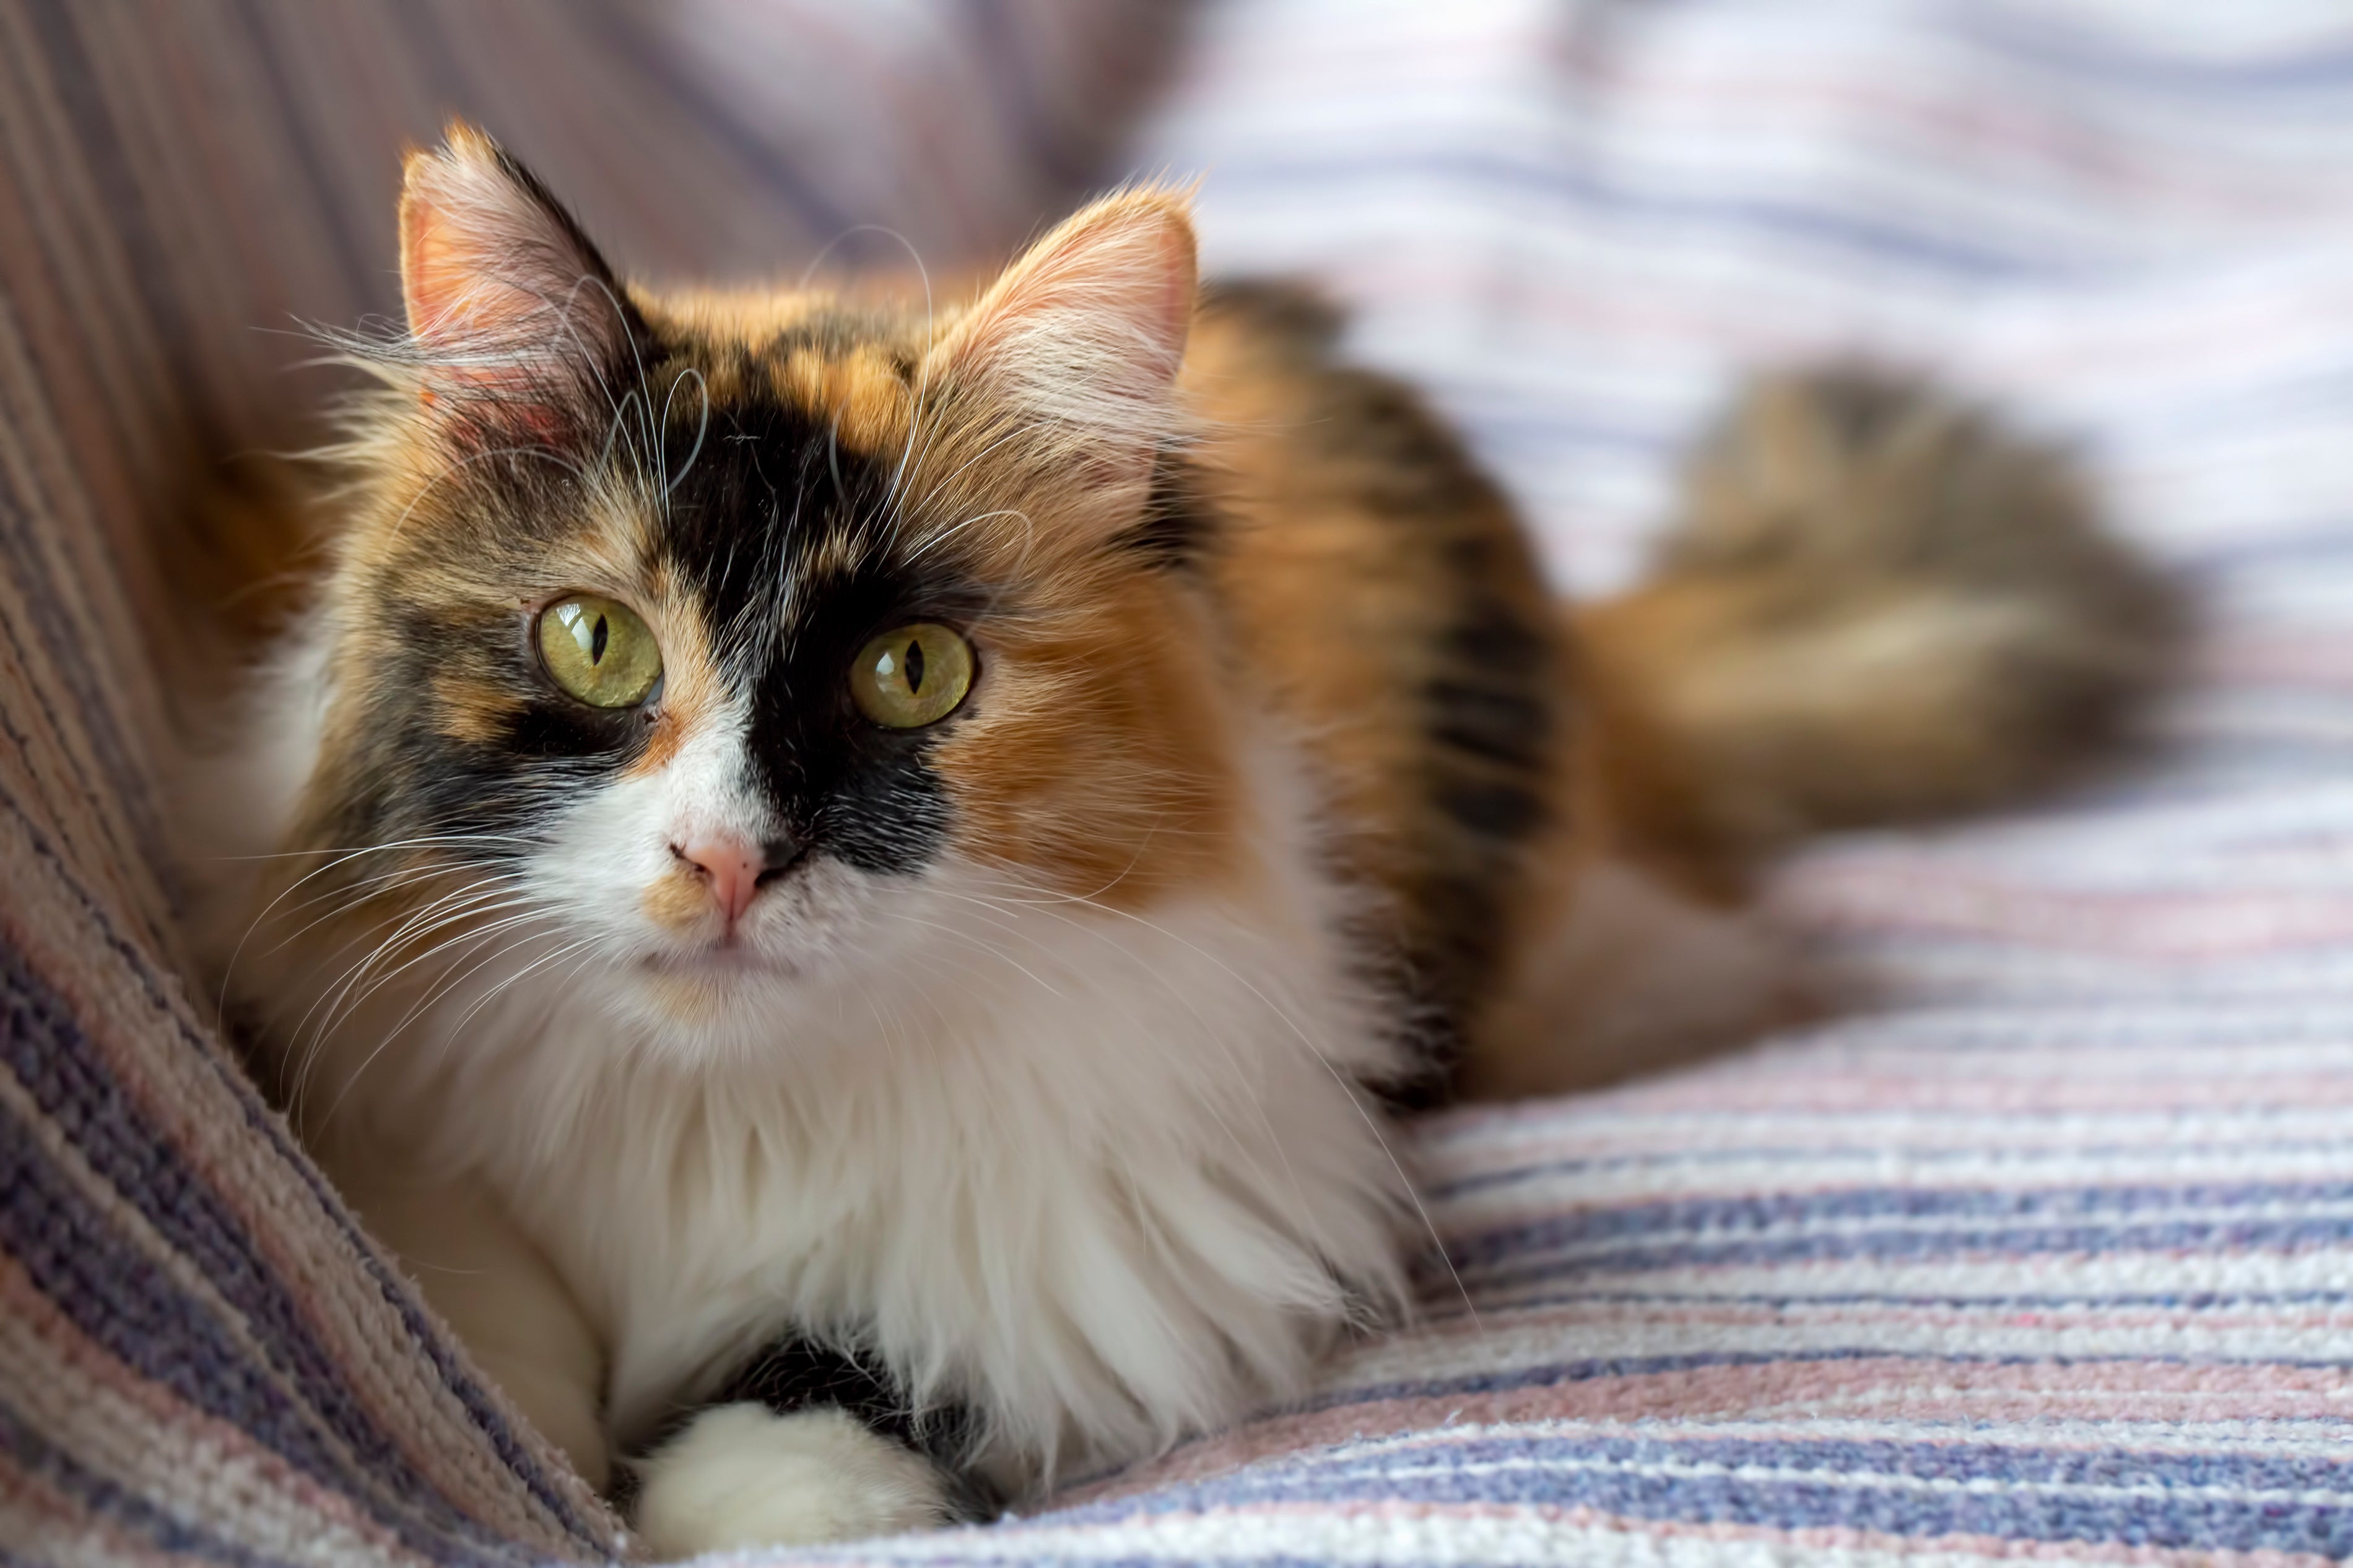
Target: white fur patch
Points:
(1105, 1178)
(742, 1476)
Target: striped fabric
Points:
(2043, 1250)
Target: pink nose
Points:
(730, 865)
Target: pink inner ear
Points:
(1136, 270)
(445, 293)
(501, 293)
(1089, 328)
(1180, 285)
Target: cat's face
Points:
(715, 651)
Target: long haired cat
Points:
(847, 884)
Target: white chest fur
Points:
(1100, 1184)
(1100, 1173)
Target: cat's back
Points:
(1386, 603)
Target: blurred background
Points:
(1575, 222)
(1569, 218)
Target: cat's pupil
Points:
(914, 664)
(596, 641)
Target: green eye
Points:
(912, 677)
(600, 651)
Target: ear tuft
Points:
(1087, 331)
(507, 300)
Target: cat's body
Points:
(1027, 1052)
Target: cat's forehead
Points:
(747, 485)
(785, 434)
(785, 317)
(821, 355)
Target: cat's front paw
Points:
(741, 1475)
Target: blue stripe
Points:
(1597, 1369)
(2044, 1465)
(1696, 1221)
(81, 1260)
(1441, 1309)
(2220, 1236)
(1508, 181)
(1794, 1504)
(126, 1510)
(2243, 88)
(422, 1336)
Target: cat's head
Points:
(714, 644)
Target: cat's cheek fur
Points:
(236, 800)
(741, 1476)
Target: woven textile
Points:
(2044, 1251)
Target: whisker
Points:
(423, 1004)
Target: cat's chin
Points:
(709, 987)
(716, 966)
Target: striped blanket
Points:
(2042, 1250)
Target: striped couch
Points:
(2042, 1250)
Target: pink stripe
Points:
(314, 1251)
(2136, 1392)
(1865, 1091)
(1713, 1108)
(1568, 1317)
(2200, 926)
(2314, 656)
(1581, 1518)
(184, 1428)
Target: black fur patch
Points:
(1178, 518)
(1491, 712)
(759, 522)
(803, 1374)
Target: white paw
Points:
(741, 1475)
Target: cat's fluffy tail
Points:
(1880, 605)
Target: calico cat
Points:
(849, 885)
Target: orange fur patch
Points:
(1098, 761)
(678, 900)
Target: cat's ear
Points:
(1084, 333)
(509, 305)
